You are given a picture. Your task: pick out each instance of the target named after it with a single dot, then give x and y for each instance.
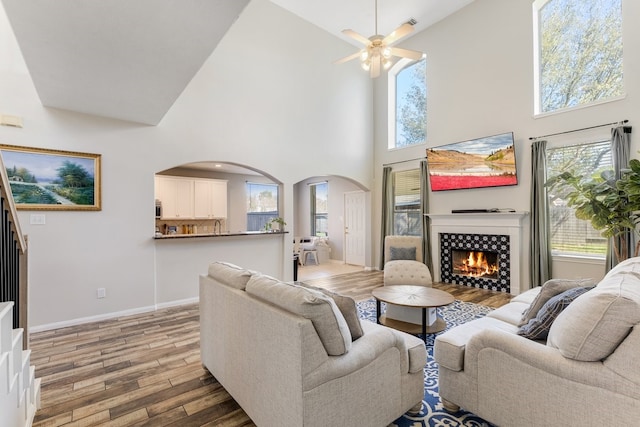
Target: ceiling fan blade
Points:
(358, 37)
(398, 33)
(406, 53)
(347, 58)
(375, 67)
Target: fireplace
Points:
(461, 245)
(476, 260)
(475, 263)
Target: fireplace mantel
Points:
(497, 223)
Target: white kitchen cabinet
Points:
(210, 200)
(191, 198)
(176, 195)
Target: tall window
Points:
(319, 211)
(578, 52)
(408, 103)
(570, 235)
(406, 196)
(262, 204)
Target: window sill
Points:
(578, 107)
(579, 259)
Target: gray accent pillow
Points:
(538, 327)
(347, 307)
(402, 253)
(550, 289)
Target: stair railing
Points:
(13, 258)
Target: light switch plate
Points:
(37, 219)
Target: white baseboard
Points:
(106, 316)
(176, 303)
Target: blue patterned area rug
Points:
(433, 414)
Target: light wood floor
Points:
(145, 370)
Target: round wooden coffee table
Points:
(412, 296)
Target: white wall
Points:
(480, 83)
(264, 98)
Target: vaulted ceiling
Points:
(131, 60)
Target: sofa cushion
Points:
(527, 296)
(449, 347)
(230, 274)
(538, 327)
(321, 310)
(550, 289)
(510, 313)
(347, 307)
(593, 326)
(397, 253)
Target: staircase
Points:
(19, 388)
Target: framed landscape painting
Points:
(42, 179)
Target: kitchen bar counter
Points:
(215, 235)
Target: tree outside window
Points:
(578, 52)
(409, 104)
(570, 235)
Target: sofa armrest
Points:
(495, 347)
(377, 339)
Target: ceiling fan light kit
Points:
(378, 51)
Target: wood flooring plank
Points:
(83, 400)
(91, 420)
(146, 400)
(54, 421)
(179, 400)
(114, 401)
(127, 419)
(57, 396)
(163, 418)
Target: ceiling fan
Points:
(378, 50)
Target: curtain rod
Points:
(403, 161)
(621, 122)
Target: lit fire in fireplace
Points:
(475, 264)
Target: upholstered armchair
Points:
(404, 266)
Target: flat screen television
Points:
(477, 163)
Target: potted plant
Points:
(279, 221)
(611, 205)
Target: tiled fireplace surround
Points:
(500, 233)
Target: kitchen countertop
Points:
(216, 235)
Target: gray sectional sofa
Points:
(294, 356)
(585, 372)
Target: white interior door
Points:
(354, 228)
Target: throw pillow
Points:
(592, 327)
(550, 289)
(538, 327)
(347, 307)
(402, 253)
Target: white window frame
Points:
(399, 66)
(596, 139)
(537, 6)
(398, 210)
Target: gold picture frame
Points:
(44, 179)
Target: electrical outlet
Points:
(101, 293)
